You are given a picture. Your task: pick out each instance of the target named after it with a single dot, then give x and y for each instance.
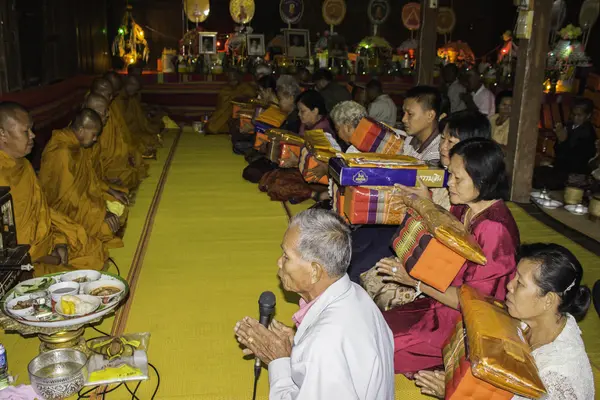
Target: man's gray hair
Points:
(287, 85)
(324, 237)
(347, 113)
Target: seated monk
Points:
(104, 87)
(135, 117)
(71, 184)
(57, 242)
(154, 113)
(235, 88)
(112, 158)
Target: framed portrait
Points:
(297, 43)
(256, 45)
(336, 45)
(208, 42)
(379, 11)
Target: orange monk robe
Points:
(117, 112)
(113, 159)
(44, 228)
(133, 120)
(136, 111)
(219, 120)
(71, 186)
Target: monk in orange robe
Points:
(112, 158)
(70, 182)
(57, 242)
(235, 89)
(135, 117)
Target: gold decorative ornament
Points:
(242, 11)
(130, 43)
(334, 11)
(197, 10)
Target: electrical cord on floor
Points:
(115, 264)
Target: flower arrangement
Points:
(570, 32)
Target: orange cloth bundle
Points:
(498, 351)
(371, 205)
(446, 228)
(460, 382)
(371, 136)
(289, 152)
(423, 256)
(310, 160)
(279, 137)
(260, 141)
(272, 116)
(338, 199)
(238, 107)
(246, 125)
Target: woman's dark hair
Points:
(560, 272)
(267, 82)
(466, 125)
(313, 99)
(503, 94)
(484, 162)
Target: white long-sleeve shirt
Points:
(343, 349)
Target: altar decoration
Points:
(130, 43)
(411, 16)
(242, 11)
(446, 21)
(458, 53)
(291, 11)
(378, 12)
(567, 54)
(374, 52)
(196, 10)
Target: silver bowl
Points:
(58, 374)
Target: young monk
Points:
(71, 185)
(57, 242)
(112, 158)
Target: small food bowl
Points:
(58, 290)
(81, 277)
(21, 312)
(58, 374)
(114, 290)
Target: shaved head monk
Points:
(114, 161)
(71, 184)
(235, 89)
(57, 242)
(115, 80)
(104, 88)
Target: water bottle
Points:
(3, 368)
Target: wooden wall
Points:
(46, 41)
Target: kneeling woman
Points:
(478, 186)
(546, 294)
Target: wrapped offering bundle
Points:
(371, 205)
(320, 147)
(371, 136)
(278, 138)
(460, 382)
(498, 351)
(372, 169)
(446, 228)
(272, 117)
(423, 256)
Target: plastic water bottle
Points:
(4, 382)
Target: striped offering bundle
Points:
(371, 136)
(310, 159)
(372, 205)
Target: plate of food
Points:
(34, 285)
(577, 209)
(45, 314)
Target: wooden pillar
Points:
(528, 92)
(427, 43)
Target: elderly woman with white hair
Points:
(342, 347)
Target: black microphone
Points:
(266, 308)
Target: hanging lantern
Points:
(130, 43)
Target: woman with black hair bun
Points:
(546, 294)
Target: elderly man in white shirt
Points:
(343, 348)
(480, 97)
(381, 106)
